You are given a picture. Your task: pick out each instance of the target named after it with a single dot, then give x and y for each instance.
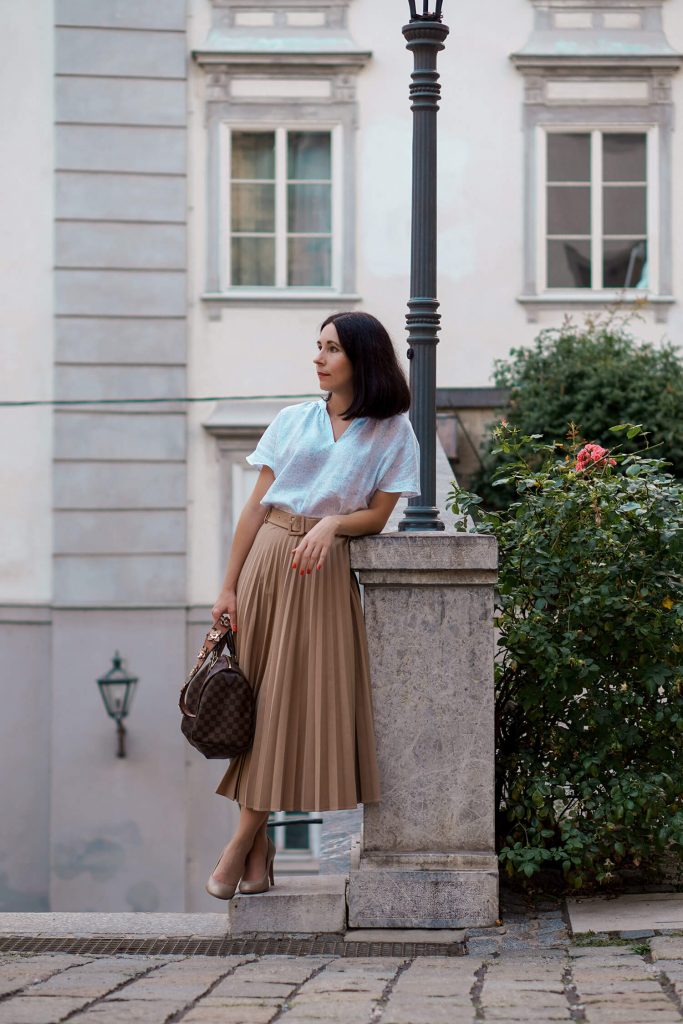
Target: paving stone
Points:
(589, 952)
(325, 984)
(524, 1013)
(643, 933)
(37, 1009)
(417, 990)
(340, 1009)
(218, 1002)
(130, 1011)
(479, 946)
(428, 1011)
(634, 911)
(17, 974)
(667, 947)
(281, 968)
(626, 1015)
(233, 986)
(345, 1016)
(228, 1015)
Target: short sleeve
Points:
(266, 450)
(400, 470)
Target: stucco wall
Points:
(26, 115)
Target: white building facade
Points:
(194, 186)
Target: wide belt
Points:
(289, 521)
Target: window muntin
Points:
(596, 209)
(301, 839)
(281, 208)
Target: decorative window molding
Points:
(287, 65)
(598, 66)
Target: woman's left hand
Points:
(312, 550)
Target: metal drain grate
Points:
(110, 945)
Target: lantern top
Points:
(116, 674)
(426, 16)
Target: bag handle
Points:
(219, 635)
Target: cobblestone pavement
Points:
(604, 985)
(525, 969)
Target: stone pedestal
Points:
(427, 856)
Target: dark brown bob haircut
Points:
(380, 388)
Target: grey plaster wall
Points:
(24, 742)
(117, 825)
(120, 301)
(114, 830)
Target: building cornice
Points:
(303, 60)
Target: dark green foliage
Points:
(589, 674)
(595, 374)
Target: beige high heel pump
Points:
(221, 890)
(262, 884)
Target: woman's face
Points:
(333, 366)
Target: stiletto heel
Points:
(221, 890)
(262, 884)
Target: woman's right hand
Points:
(226, 602)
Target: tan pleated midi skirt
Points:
(302, 645)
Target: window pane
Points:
(569, 157)
(253, 155)
(309, 208)
(625, 264)
(296, 836)
(569, 264)
(569, 210)
(253, 207)
(624, 157)
(624, 210)
(253, 261)
(309, 261)
(309, 155)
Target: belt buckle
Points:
(296, 524)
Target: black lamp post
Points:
(425, 35)
(117, 693)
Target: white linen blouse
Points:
(318, 476)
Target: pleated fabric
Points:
(302, 645)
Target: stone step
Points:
(293, 906)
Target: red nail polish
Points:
(294, 565)
(308, 570)
(301, 572)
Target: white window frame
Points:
(298, 861)
(224, 249)
(652, 207)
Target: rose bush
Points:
(589, 672)
(595, 373)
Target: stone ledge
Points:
(424, 551)
(93, 925)
(294, 906)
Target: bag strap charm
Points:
(220, 632)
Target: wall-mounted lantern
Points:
(117, 693)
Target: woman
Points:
(330, 469)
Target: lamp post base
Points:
(420, 518)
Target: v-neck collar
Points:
(323, 409)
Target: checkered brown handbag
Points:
(216, 700)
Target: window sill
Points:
(580, 299)
(215, 301)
